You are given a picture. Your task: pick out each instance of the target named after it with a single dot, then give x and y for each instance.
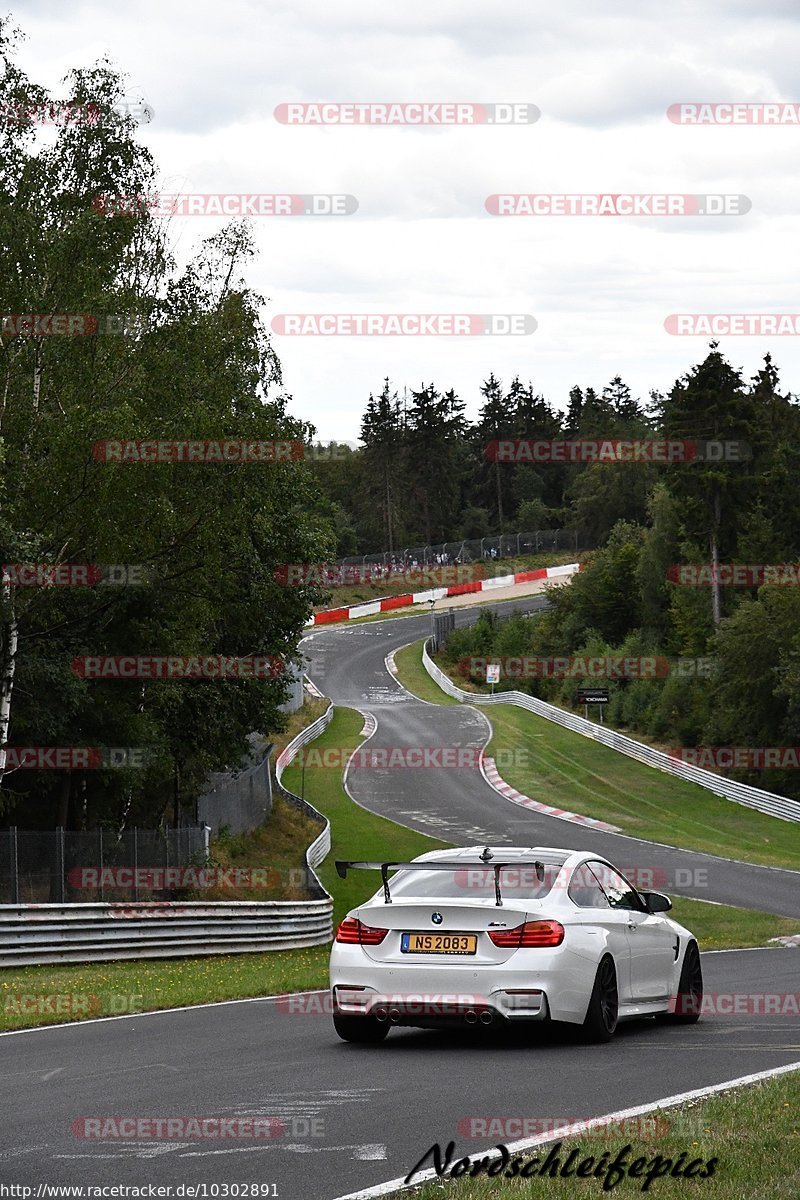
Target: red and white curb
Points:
(792, 940)
(329, 616)
(492, 777)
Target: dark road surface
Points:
(352, 1115)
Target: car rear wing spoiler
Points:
(456, 864)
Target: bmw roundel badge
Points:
(436, 918)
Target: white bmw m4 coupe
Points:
(495, 935)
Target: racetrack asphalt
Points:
(378, 1108)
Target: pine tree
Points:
(381, 435)
(628, 412)
(572, 420)
(710, 403)
(495, 423)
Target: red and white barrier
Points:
(330, 616)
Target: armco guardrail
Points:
(320, 847)
(740, 793)
(32, 934)
(52, 933)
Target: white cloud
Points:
(421, 241)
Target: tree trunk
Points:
(176, 795)
(388, 510)
(716, 599)
(9, 636)
(499, 495)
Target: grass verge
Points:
(751, 1133)
(415, 679)
(276, 851)
(355, 833)
(569, 771)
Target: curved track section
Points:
(459, 806)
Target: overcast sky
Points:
(421, 241)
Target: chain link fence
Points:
(505, 545)
(239, 800)
(58, 866)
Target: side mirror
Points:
(656, 902)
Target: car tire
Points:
(600, 1022)
(366, 1030)
(689, 1000)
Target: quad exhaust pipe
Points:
(486, 1017)
(393, 1015)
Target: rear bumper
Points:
(430, 1009)
(530, 986)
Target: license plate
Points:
(439, 943)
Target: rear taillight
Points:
(355, 933)
(531, 934)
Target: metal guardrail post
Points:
(14, 864)
(60, 845)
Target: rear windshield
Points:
(476, 883)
